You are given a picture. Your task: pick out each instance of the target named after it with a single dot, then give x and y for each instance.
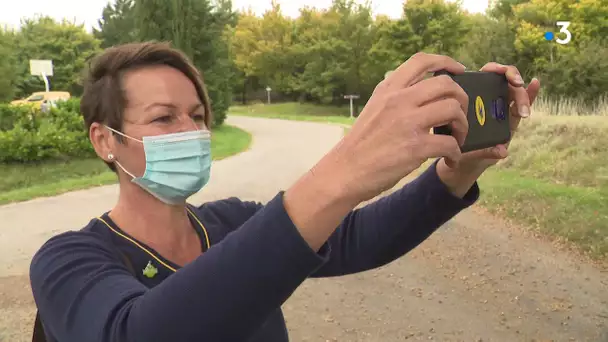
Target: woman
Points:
(155, 268)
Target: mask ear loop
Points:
(111, 156)
(124, 135)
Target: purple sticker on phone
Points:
(498, 109)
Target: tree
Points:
(69, 46)
(324, 54)
(117, 25)
(487, 40)
(245, 52)
(7, 62)
(503, 9)
(436, 26)
(332, 52)
(199, 29)
(575, 69)
(275, 43)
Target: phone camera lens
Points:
(498, 109)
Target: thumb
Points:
(496, 152)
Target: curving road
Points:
(477, 279)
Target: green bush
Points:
(11, 115)
(27, 135)
(31, 136)
(67, 116)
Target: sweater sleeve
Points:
(84, 293)
(382, 231)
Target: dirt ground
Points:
(478, 278)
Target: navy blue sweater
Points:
(253, 260)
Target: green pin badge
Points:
(150, 271)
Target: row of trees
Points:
(322, 54)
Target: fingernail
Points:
(519, 80)
(524, 111)
(464, 66)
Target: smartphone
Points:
(488, 113)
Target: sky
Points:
(89, 11)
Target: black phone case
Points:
(488, 113)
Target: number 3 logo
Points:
(563, 25)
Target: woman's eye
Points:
(165, 118)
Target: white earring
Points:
(110, 156)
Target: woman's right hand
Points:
(392, 136)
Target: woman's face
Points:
(160, 100)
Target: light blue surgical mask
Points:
(177, 165)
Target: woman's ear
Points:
(103, 141)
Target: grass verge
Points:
(569, 213)
(21, 182)
(554, 182)
(296, 111)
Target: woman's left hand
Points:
(520, 100)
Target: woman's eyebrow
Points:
(171, 106)
(159, 104)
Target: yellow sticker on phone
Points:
(480, 111)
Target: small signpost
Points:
(268, 93)
(351, 98)
(42, 68)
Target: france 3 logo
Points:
(565, 36)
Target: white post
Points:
(268, 93)
(46, 81)
(352, 109)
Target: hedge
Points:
(28, 135)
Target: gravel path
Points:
(477, 279)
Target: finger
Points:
(434, 89)
(416, 67)
(496, 152)
(437, 146)
(519, 96)
(532, 92)
(533, 89)
(494, 67)
(444, 112)
(514, 76)
(514, 118)
(511, 72)
(500, 151)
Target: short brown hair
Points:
(104, 99)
